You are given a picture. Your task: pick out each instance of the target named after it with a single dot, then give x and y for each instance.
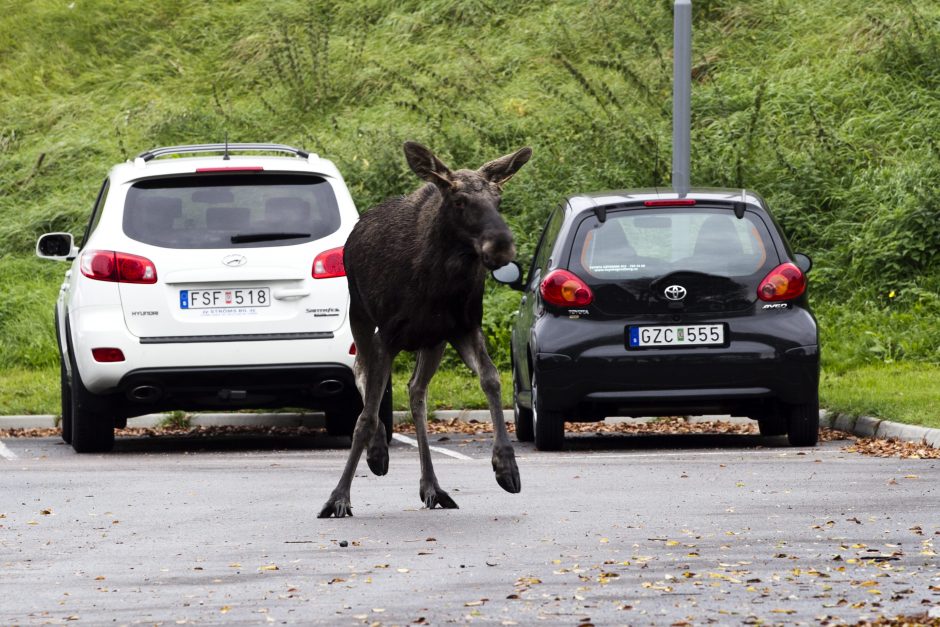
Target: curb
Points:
(863, 426)
(311, 419)
(871, 427)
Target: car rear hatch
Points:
(233, 255)
(644, 261)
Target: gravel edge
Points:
(862, 426)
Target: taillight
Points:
(107, 355)
(676, 202)
(563, 289)
(107, 265)
(352, 348)
(784, 282)
(329, 264)
(231, 169)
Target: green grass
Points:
(452, 388)
(828, 108)
(25, 391)
(899, 392)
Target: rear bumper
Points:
(93, 327)
(311, 386)
(597, 375)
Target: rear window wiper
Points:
(244, 238)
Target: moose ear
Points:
(426, 165)
(501, 170)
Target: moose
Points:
(416, 266)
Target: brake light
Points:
(107, 265)
(784, 282)
(329, 264)
(564, 289)
(244, 168)
(107, 355)
(676, 202)
(352, 348)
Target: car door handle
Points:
(290, 294)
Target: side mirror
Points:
(803, 262)
(56, 246)
(510, 274)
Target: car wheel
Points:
(92, 424)
(522, 416)
(65, 392)
(772, 422)
(803, 423)
(548, 426)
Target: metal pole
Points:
(681, 96)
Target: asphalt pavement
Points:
(634, 530)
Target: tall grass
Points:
(826, 107)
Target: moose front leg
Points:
(472, 350)
(429, 490)
(373, 366)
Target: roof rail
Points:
(223, 148)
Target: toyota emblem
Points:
(675, 292)
(234, 261)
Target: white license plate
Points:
(226, 298)
(676, 335)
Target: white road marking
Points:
(6, 453)
(443, 451)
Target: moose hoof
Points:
(507, 472)
(435, 497)
(337, 506)
(378, 458)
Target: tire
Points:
(342, 422)
(803, 423)
(92, 424)
(548, 426)
(65, 392)
(522, 416)
(772, 422)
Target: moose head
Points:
(470, 200)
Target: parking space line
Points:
(443, 451)
(6, 453)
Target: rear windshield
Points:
(645, 244)
(231, 211)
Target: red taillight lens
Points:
(243, 168)
(329, 264)
(107, 265)
(677, 202)
(563, 289)
(784, 282)
(107, 355)
(352, 348)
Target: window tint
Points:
(96, 210)
(209, 211)
(640, 244)
(547, 243)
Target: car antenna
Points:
(225, 156)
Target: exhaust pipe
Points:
(681, 96)
(329, 387)
(145, 393)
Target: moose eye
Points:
(459, 203)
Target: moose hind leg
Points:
(373, 365)
(472, 349)
(430, 492)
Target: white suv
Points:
(208, 282)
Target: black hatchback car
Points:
(648, 303)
